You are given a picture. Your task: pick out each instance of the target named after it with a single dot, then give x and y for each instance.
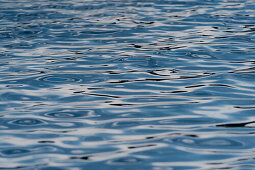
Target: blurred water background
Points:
(127, 84)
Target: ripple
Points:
(124, 124)
(126, 161)
(56, 79)
(65, 114)
(26, 122)
(213, 143)
(14, 151)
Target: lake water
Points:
(127, 84)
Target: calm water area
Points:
(127, 84)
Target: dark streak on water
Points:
(134, 84)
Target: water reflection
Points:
(127, 84)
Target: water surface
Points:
(127, 84)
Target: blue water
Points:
(127, 84)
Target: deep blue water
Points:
(127, 84)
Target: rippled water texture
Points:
(127, 84)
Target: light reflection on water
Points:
(127, 84)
